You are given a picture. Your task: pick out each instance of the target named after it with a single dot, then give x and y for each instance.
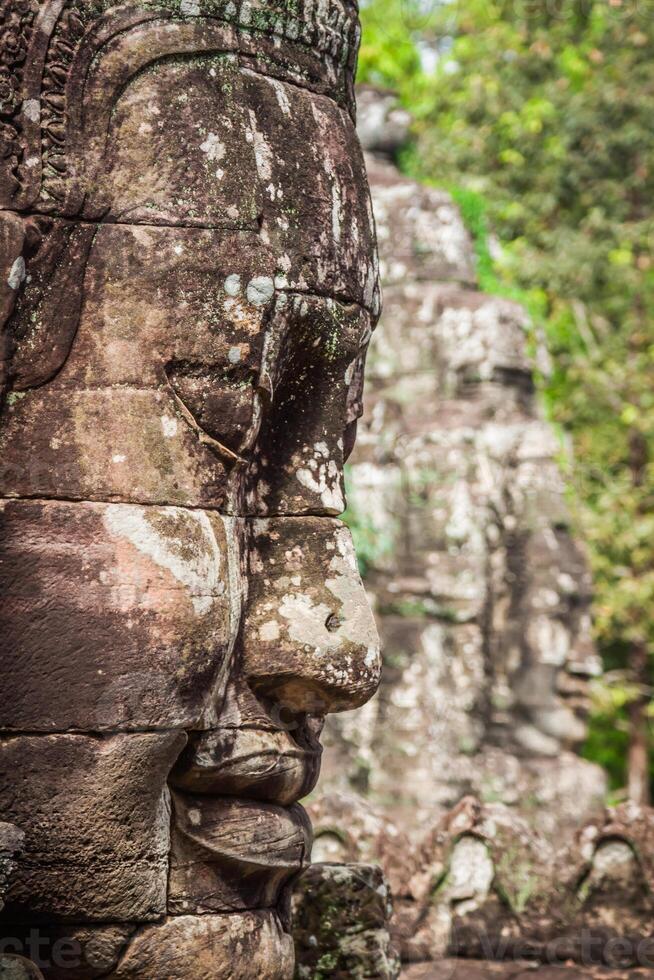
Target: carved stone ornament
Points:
(188, 283)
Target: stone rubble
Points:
(340, 924)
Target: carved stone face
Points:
(191, 287)
(549, 677)
(481, 593)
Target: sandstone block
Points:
(96, 813)
(115, 616)
(11, 843)
(245, 946)
(340, 917)
(420, 231)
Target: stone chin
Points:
(233, 854)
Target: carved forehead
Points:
(204, 142)
(65, 66)
(161, 114)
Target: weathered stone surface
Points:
(349, 830)
(80, 63)
(465, 969)
(264, 753)
(481, 593)
(493, 888)
(11, 843)
(66, 951)
(188, 283)
(316, 358)
(229, 855)
(458, 335)
(144, 638)
(340, 923)
(163, 414)
(382, 124)
(195, 407)
(246, 946)
(482, 598)
(419, 230)
(483, 884)
(310, 639)
(96, 816)
(14, 967)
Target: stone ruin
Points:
(340, 915)
(481, 592)
(461, 778)
(189, 284)
(482, 886)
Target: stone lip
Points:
(250, 764)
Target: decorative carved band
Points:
(49, 50)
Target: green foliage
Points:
(393, 32)
(473, 211)
(609, 752)
(538, 117)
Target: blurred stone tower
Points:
(481, 593)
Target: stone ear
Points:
(42, 322)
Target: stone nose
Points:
(309, 637)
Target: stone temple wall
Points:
(481, 895)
